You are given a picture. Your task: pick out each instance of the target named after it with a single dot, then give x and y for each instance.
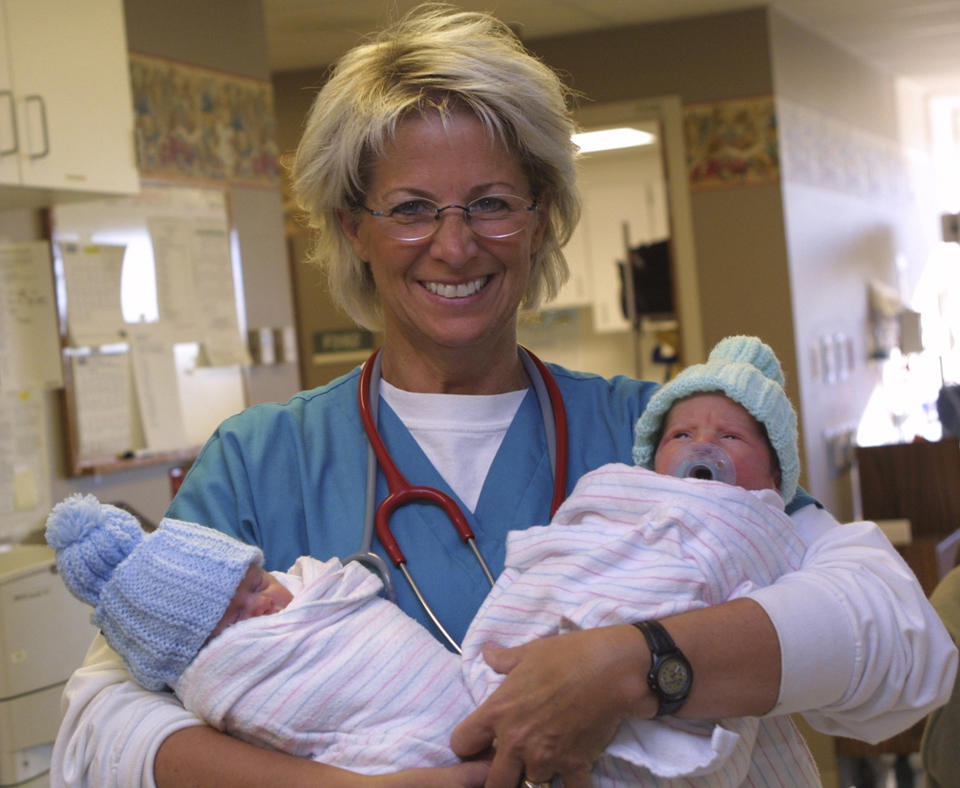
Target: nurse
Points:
(437, 169)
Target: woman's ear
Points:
(351, 229)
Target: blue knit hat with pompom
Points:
(745, 369)
(157, 596)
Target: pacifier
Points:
(703, 461)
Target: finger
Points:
(502, 660)
(472, 735)
(506, 771)
(578, 779)
(473, 774)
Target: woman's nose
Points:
(453, 242)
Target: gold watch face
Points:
(673, 676)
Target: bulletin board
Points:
(150, 306)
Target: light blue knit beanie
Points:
(746, 370)
(157, 596)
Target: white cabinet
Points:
(66, 112)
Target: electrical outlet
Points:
(841, 448)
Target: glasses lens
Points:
(412, 220)
(499, 215)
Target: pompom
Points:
(70, 520)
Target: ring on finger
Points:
(532, 784)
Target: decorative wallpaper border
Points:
(732, 143)
(198, 123)
(817, 150)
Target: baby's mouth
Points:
(462, 290)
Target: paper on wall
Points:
(92, 273)
(103, 408)
(195, 290)
(29, 341)
(24, 473)
(157, 390)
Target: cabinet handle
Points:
(43, 120)
(8, 94)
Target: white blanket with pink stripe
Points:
(647, 546)
(340, 675)
(346, 678)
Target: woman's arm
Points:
(850, 637)
(111, 726)
(864, 653)
(115, 734)
(196, 757)
(563, 697)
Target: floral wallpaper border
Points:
(198, 123)
(818, 150)
(732, 143)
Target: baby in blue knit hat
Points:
(157, 597)
(727, 419)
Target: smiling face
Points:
(452, 297)
(716, 419)
(259, 594)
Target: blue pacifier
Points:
(703, 461)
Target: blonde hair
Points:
(436, 59)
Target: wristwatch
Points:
(670, 676)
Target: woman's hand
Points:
(559, 705)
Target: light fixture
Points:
(611, 139)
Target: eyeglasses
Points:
(490, 216)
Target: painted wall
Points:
(787, 260)
(741, 254)
(851, 156)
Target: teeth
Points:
(456, 291)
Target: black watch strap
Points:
(671, 676)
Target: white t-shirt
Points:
(450, 426)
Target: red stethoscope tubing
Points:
(402, 492)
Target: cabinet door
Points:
(9, 139)
(71, 76)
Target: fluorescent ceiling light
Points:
(611, 139)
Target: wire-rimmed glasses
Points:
(490, 216)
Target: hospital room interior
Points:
(788, 169)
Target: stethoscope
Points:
(401, 492)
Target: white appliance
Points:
(44, 634)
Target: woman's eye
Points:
(488, 205)
(414, 208)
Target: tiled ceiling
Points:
(909, 38)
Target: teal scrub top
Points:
(291, 478)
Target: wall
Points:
(740, 243)
(193, 32)
(851, 212)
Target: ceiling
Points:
(916, 39)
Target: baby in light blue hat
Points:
(157, 597)
(727, 419)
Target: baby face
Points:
(259, 594)
(716, 419)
